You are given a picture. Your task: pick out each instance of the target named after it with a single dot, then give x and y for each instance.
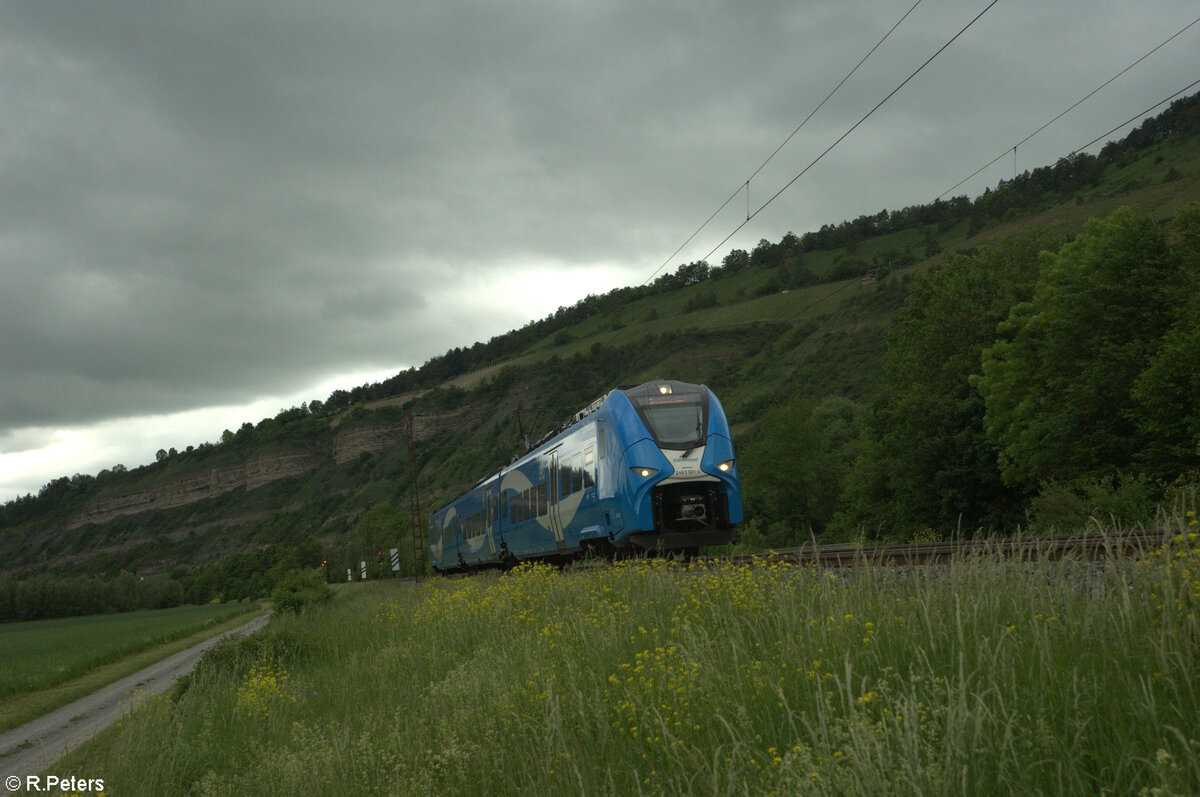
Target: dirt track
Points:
(35, 746)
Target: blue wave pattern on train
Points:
(649, 468)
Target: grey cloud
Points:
(211, 200)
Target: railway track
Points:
(1075, 547)
(1070, 548)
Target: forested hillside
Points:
(1027, 358)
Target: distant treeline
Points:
(240, 576)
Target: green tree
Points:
(1057, 385)
(1168, 391)
(793, 469)
(928, 461)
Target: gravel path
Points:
(35, 746)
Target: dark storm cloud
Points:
(205, 202)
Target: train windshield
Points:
(676, 413)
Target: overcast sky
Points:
(211, 211)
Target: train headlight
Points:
(645, 473)
(726, 466)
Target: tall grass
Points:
(980, 677)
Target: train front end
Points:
(679, 472)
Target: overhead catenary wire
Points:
(853, 127)
(1093, 92)
(813, 303)
(745, 186)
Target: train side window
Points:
(542, 497)
(564, 480)
(577, 472)
(504, 504)
(589, 468)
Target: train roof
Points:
(652, 385)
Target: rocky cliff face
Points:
(349, 443)
(255, 472)
(352, 443)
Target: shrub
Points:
(299, 590)
(1124, 499)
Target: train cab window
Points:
(675, 413)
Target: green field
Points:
(44, 653)
(649, 677)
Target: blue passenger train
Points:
(649, 468)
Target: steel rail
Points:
(1078, 547)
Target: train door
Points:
(552, 487)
